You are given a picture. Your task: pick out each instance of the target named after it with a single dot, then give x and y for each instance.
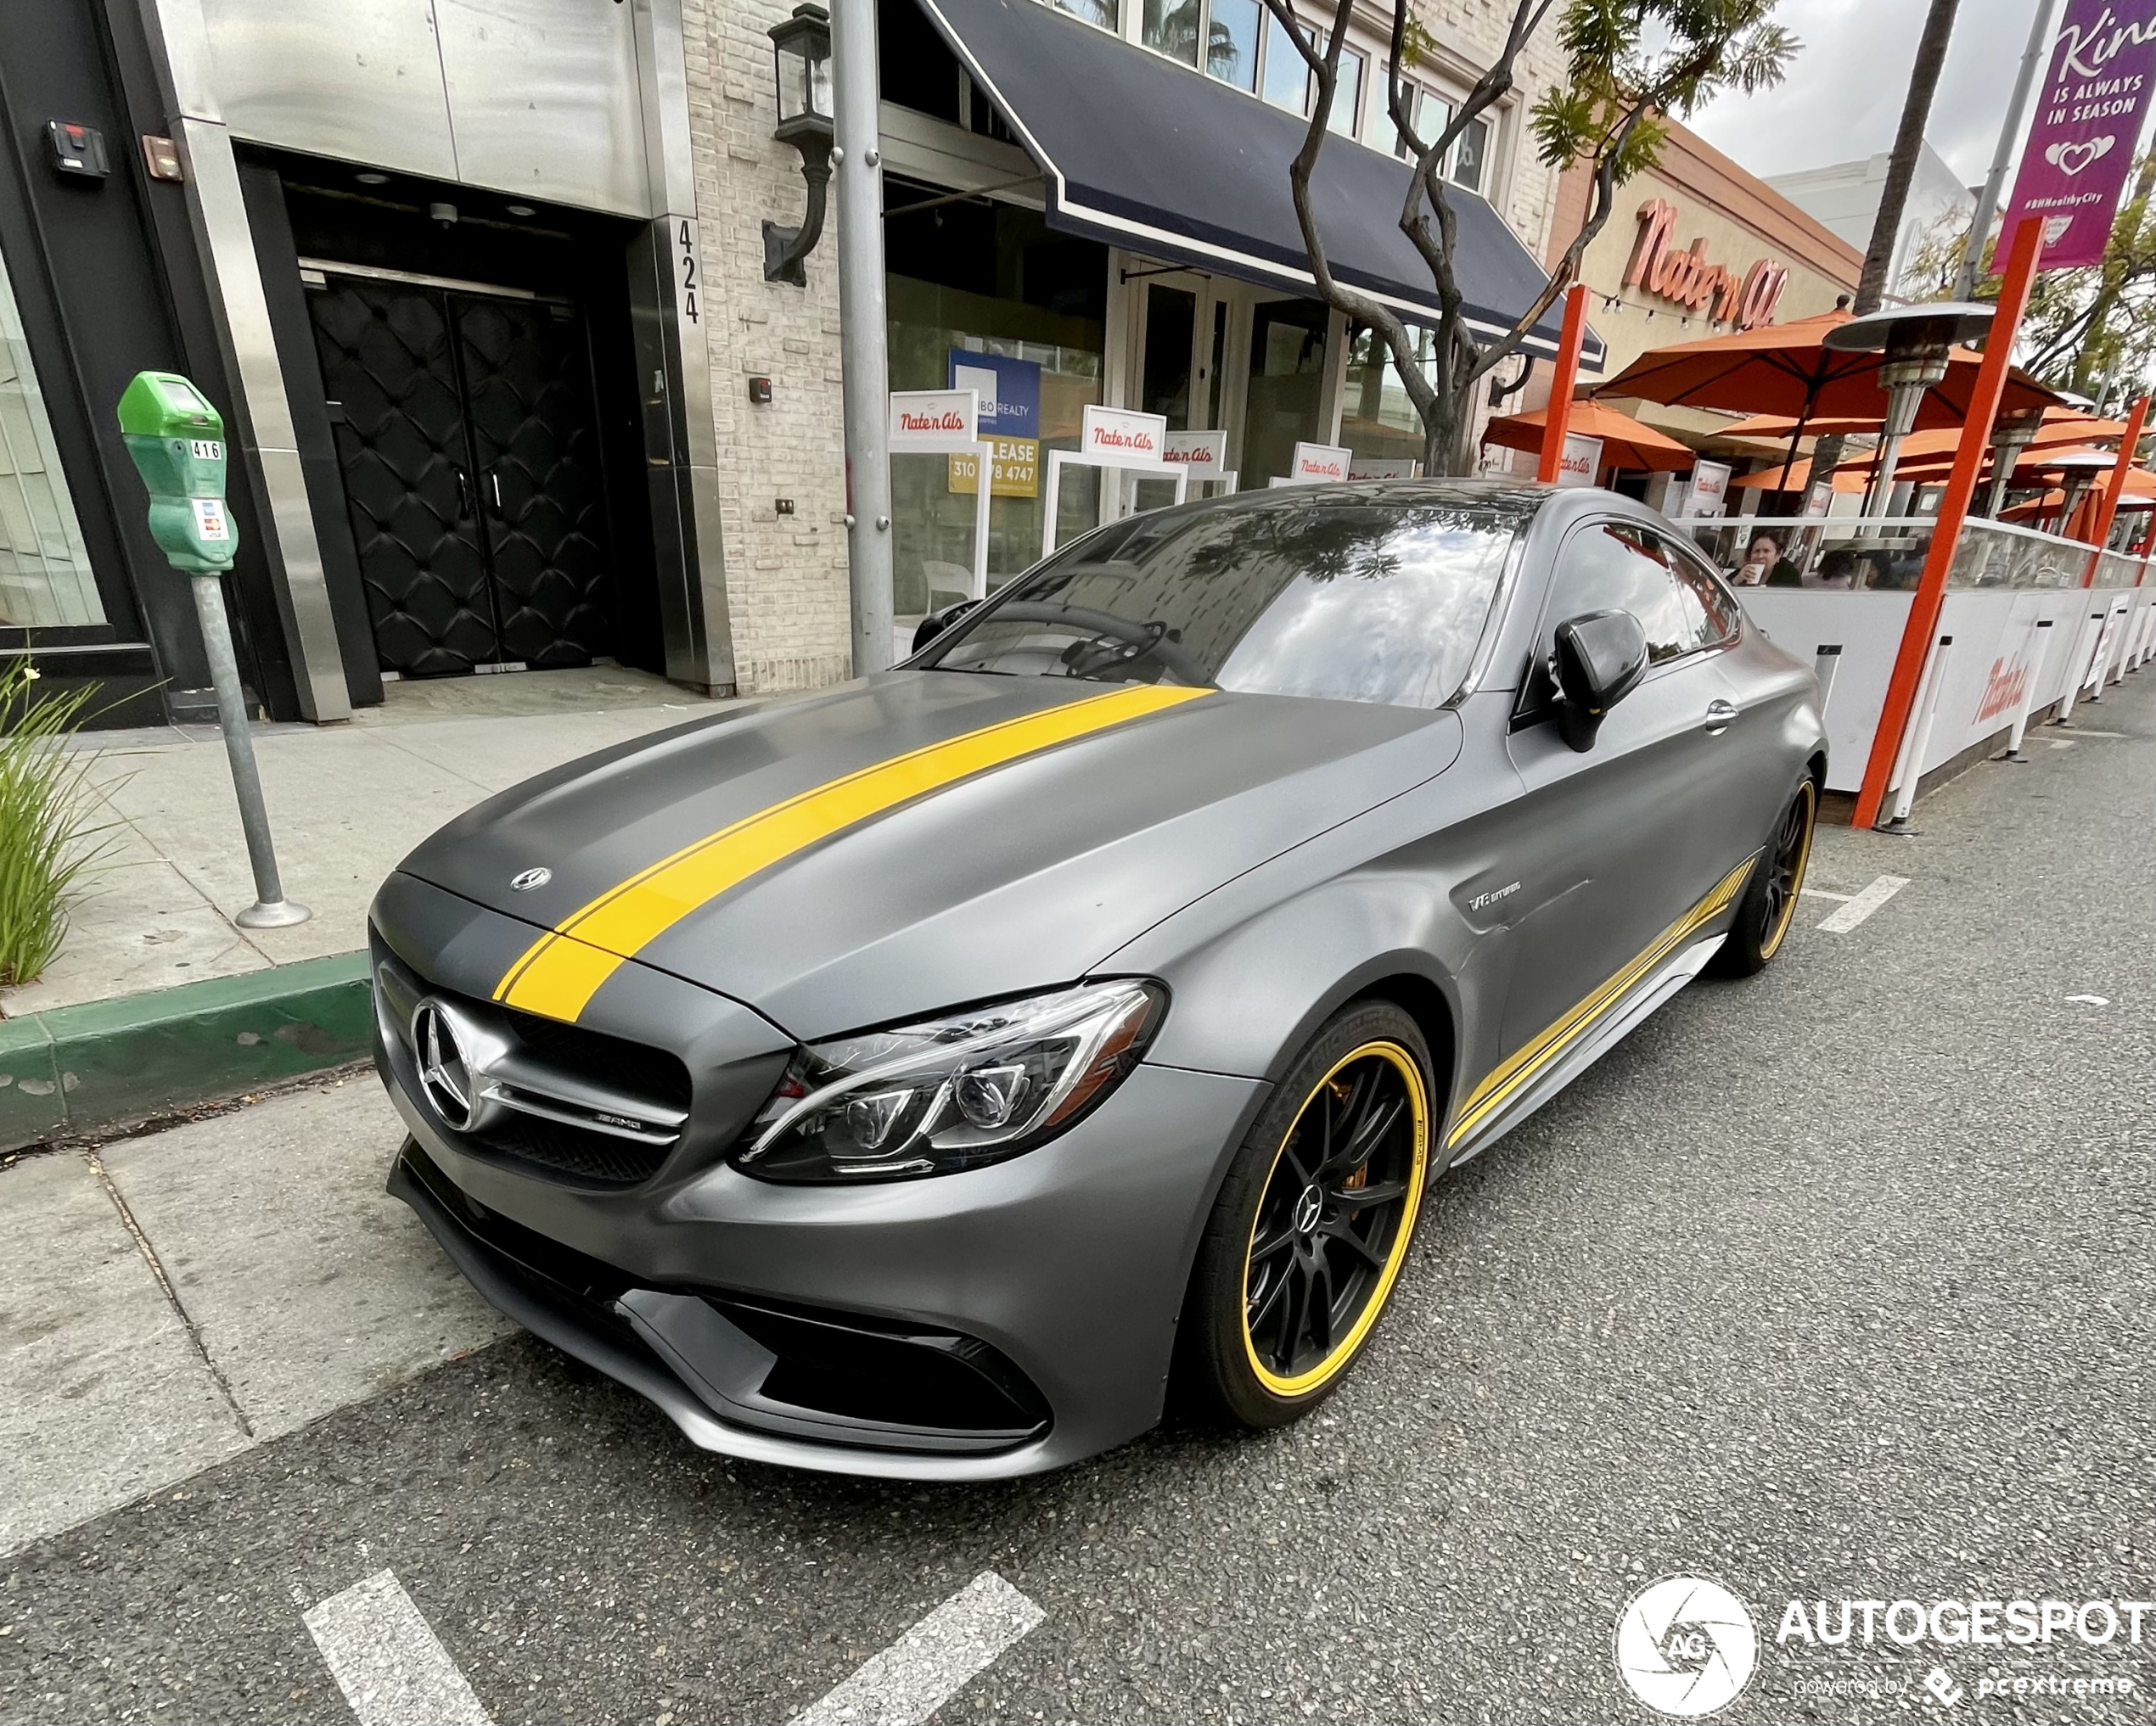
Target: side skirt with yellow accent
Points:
(1551, 1060)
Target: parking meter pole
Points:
(176, 440)
(270, 909)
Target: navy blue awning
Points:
(1142, 152)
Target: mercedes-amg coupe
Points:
(939, 1075)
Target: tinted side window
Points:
(1613, 566)
(1705, 595)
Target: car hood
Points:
(918, 840)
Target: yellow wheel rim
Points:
(1785, 867)
(1362, 1134)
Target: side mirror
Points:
(936, 622)
(1600, 656)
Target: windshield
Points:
(1346, 600)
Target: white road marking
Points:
(1821, 892)
(2078, 732)
(1882, 888)
(388, 1661)
(2091, 1000)
(931, 1662)
(2062, 742)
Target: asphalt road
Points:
(1837, 1283)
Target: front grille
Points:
(576, 1106)
(592, 1159)
(609, 1060)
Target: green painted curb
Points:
(75, 1070)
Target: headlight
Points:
(950, 1093)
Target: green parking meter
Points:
(177, 441)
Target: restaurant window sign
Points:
(1689, 278)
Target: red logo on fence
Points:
(2003, 689)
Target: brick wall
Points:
(785, 575)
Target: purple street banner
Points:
(2081, 147)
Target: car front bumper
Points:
(1060, 1274)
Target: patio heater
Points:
(1915, 341)
(2012, 433)
(2077, 471)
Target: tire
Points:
(1768, 904)
(1366, 1078)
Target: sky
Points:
(1843, 96)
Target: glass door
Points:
(1179, 340)
(1287, 397)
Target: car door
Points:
(1611, 839)
(1733, 803)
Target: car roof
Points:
(1503, 496)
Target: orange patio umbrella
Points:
(1788, 368)
(1769, 479)
(2061, 425)
(1781, 425)
(1932, 467)
(1625, 442)
(2140, 494)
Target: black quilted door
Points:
(389, 365)
(541, 485)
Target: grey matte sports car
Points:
(931, 1077)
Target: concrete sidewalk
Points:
(346, 802)
(179, 1297)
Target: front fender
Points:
(1257, 965)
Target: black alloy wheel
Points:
(1769, 904)
(1314, 1222)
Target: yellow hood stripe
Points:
(560, 972)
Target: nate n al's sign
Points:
(934, 421)
(1121, 437)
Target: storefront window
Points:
(1287, 74)
(45, 579)
(1172, 27)
(1376, 417)
(1107, 14)
(1468, 163)
(1232, 42)
(984, 295)
(1471, 154)
(1347, 94)
(1285, 404)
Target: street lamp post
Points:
(862, 322)
(825, 65)
(1987, 199)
